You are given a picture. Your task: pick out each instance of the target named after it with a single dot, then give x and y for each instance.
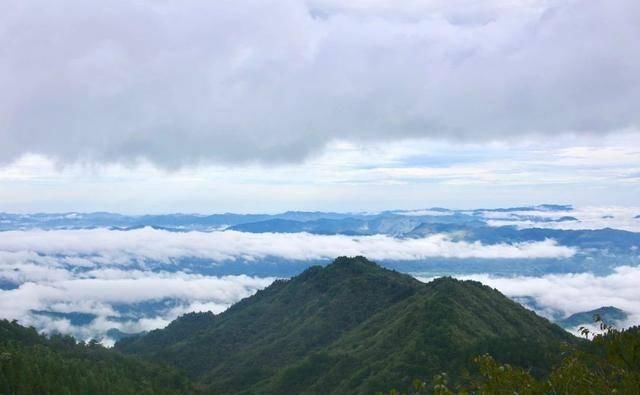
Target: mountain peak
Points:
(356, 265)
(345, 274)
(311, 333)
(341, 263)
(345, 265)
(356, 260)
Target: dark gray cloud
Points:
(274, 81)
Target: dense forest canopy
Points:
(34, 364)
(351, 327)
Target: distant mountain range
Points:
(609, 315)
(351, 327)
(179, 221)
(598, 250)
(391, 222)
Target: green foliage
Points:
(351, 327)
(609, 364)
(33, 364)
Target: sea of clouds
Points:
(91, 246)
(135, 280)
(92, 271)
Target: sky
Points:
(264, 106)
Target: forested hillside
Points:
(350, 327)
(608, 364)
(33, 364)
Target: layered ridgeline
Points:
(350, 327)
(34, 364)
(609, 315)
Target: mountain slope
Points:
(441, 329)
(281, 323)
(350, 327)
(33, 364)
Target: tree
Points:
(607, 364)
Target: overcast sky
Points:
(156, 106)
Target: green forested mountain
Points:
(351, 327)
(33, 364)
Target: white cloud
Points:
(87, 294)
(274, 81)
(588, 217)
(98, 296)
(122, 247)
(94, 270)
(408, 174)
